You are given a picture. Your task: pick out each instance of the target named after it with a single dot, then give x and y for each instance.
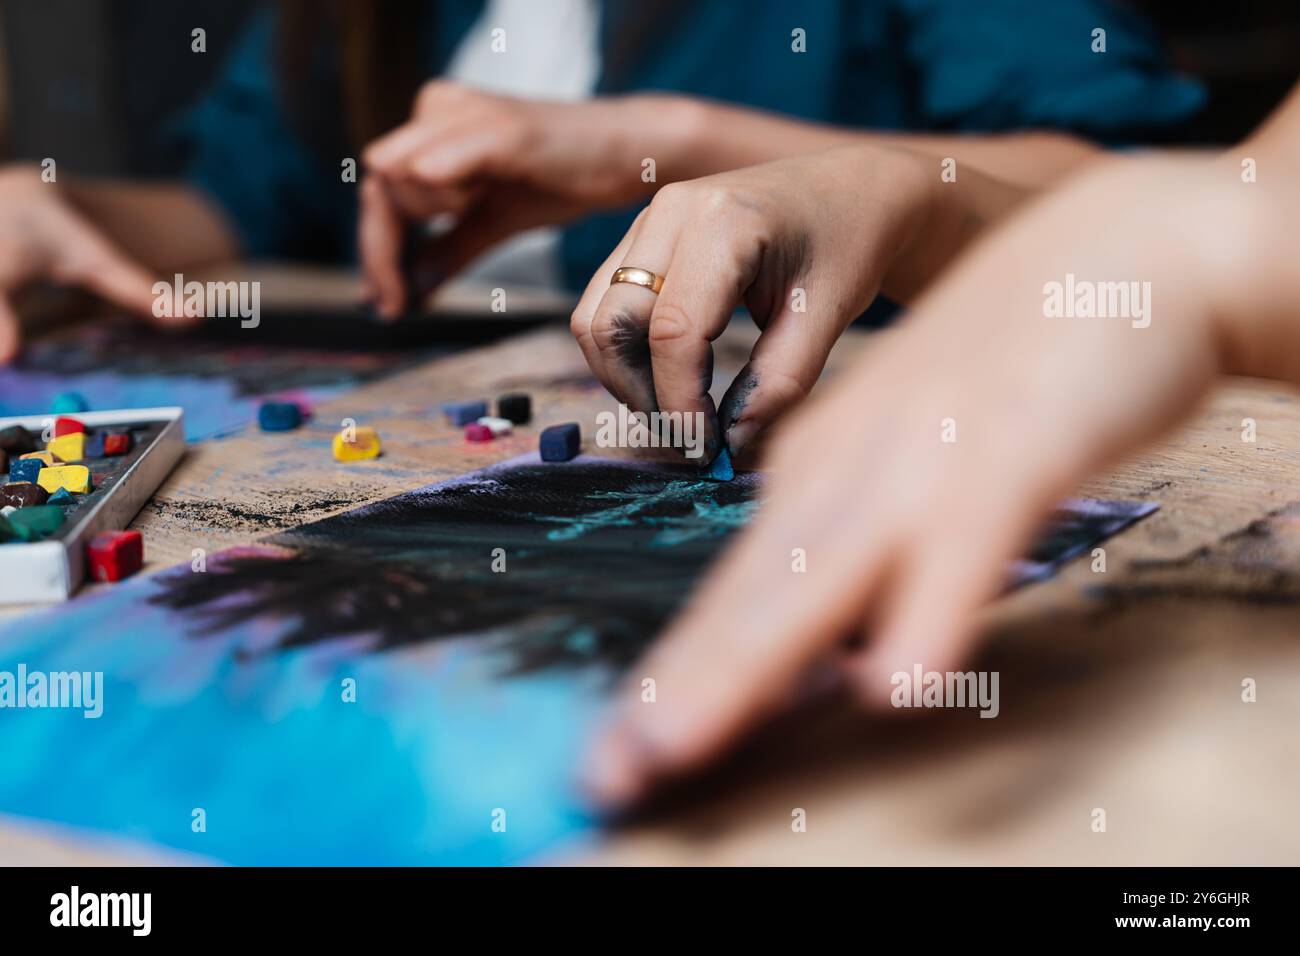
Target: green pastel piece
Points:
(61, 497)
(32, 524)
(7, 532)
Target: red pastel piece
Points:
(477, 432)
(117, 444)
(67, 426)
(114, 555)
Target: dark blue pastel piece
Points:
(279, 416)
(560, 442)
(462, 413)
(25, 469)
(69, 402)
(95, 445)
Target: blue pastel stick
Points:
(278, 416)
(25, 469)
(720, 469)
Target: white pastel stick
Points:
(499, 426)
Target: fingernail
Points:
(741, 434)
(713, 445)
(614, 774)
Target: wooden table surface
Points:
(1120, 691)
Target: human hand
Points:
(907, 535)
(805, 244)
(44, 237)
(500, 165)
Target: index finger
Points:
(380, 233)
(706, 280)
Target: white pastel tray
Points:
(50, 570)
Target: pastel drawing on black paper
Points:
(371, 688)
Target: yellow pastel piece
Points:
(70, 447)
(47, 457)
(76, 478)
(365, 444)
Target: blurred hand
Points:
(805, 244)
(907, 535)
(501, 165)
(43, 238)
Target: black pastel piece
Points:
(517, 407)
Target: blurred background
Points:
(95, 82)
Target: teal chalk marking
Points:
(720, 468)
(706, 519)
(709, 520)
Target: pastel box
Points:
(52, 567)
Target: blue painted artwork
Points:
(385, 685)
(477, 624)
(220, 385)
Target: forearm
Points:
(1248, 248)
(942, 218)
(713, 137)
(163, 226)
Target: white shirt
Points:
(551, 51)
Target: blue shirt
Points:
(938, 65)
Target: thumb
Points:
(782, 369)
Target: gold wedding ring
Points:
(642, 277)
